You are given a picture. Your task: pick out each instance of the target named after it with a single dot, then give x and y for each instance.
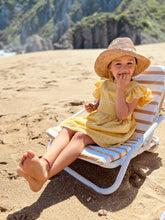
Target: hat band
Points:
(124, 48)
(129, 49)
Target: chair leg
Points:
(120, 176)
(163, 216)
(154, 144)
(116, 184)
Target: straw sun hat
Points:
(117, 48)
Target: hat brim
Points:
(106, 57)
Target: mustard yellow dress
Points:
(102, 125)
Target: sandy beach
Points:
(39, 90)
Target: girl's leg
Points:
(35, 170)
(66, 157)
(70, 153)
(58, 144)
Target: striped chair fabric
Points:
(153, 78)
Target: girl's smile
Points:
(123, 66)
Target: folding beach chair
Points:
(147, 119)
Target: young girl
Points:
(110, 120)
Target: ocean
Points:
(6, 54)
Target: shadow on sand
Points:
(63, 186)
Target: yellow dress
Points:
(102, 125)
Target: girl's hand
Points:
(90, 107)
(123, 80)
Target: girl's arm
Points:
(91, 107)
(123, 109)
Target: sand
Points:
(37, 91)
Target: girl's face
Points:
(123, 65)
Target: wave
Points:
(6, 54)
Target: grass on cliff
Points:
(143, 15)
(27, 18)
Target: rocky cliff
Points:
(55, 24)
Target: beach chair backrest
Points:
(153, 78)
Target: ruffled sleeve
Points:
(141, 92)
(96, 92)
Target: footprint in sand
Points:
(48, 84)
(3, 163)
(80, 79)
(12, 176)
(2, 142)
(136, 177)
(74, 103)
(8, 88)
(4, 171)
(3, 209)
(51, 81)
(86, 73)
(25, 89)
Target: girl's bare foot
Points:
(34, 170)
(34, 184)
